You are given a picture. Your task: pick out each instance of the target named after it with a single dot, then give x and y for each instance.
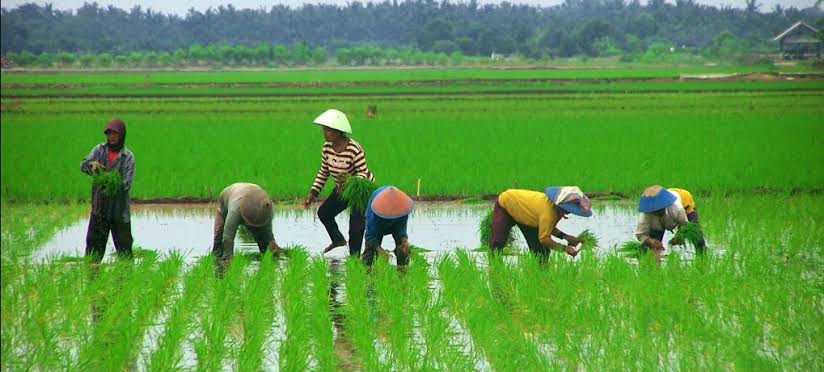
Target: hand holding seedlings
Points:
(676, 240)
(96, 166)
(654, 244)
(570, 250)
(573, 241)
(307, 202)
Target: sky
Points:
(181, 7)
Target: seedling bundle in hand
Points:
(690, 233)
(356, 192)
(109, 181)
(588, 240)
(632, 249)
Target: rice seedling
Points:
(168, 356)
(258, 311)
(690, 233)
(294, 352)
(319, 317)
(589, 241)
(632, 249)
(109, 181)
(359, 315)
(356, 192)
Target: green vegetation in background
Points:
(444, 90)
(703, 142)
(115, 79)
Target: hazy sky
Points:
(180, 7)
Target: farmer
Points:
(340, 157)
(110, 210)
(387, 213)
(537, 215)
(664, 209)
(242, 204)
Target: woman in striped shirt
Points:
(340, 157)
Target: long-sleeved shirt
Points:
(116, 206)
(377, 226)
(531, 208)
(229, 206)
(675, 215)
(350, 161)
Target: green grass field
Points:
(761, 300)
(456, 146)
(752, 156)
(366, 75)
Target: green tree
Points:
(319, 56)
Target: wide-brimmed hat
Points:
(570, 199)
(654, 198)
(391, 203)
(334, 119)
(256, 207)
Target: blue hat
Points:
(654, 198)
(579, 206)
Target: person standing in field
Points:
(664, 209)
(341, 157)
(387, 213)
(244, 204)
(537, 215)
(110, 210)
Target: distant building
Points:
(799, 41)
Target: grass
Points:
(690, 233)
(458, 311)
(355, 75)
(458, 130)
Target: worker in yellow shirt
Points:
(664, 209)
(537, 214)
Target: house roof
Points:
(793, 28)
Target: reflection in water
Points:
(438, 226)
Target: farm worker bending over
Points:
(242, 204)
(110, 208)
(340, 157)
(664, 209)
(537, 214)
(387, 213)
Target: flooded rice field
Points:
(436, 226)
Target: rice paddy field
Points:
(749, 149)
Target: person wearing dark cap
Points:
(537, 214)
(387, 213)
(110, 211)
(242, 204)
(664, 209)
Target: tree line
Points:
(409, 32)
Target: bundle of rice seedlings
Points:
(632, 249)
(588, 240)
(109, 181)
(356, 192)
(690, 233)
(485, 229)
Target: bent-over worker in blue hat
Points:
(537, 215)
(242, 204)
(387, 213)
(664, 209)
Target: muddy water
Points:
(438, 226)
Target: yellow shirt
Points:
(686, 199)
(530, 208)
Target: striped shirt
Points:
(350, 161)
